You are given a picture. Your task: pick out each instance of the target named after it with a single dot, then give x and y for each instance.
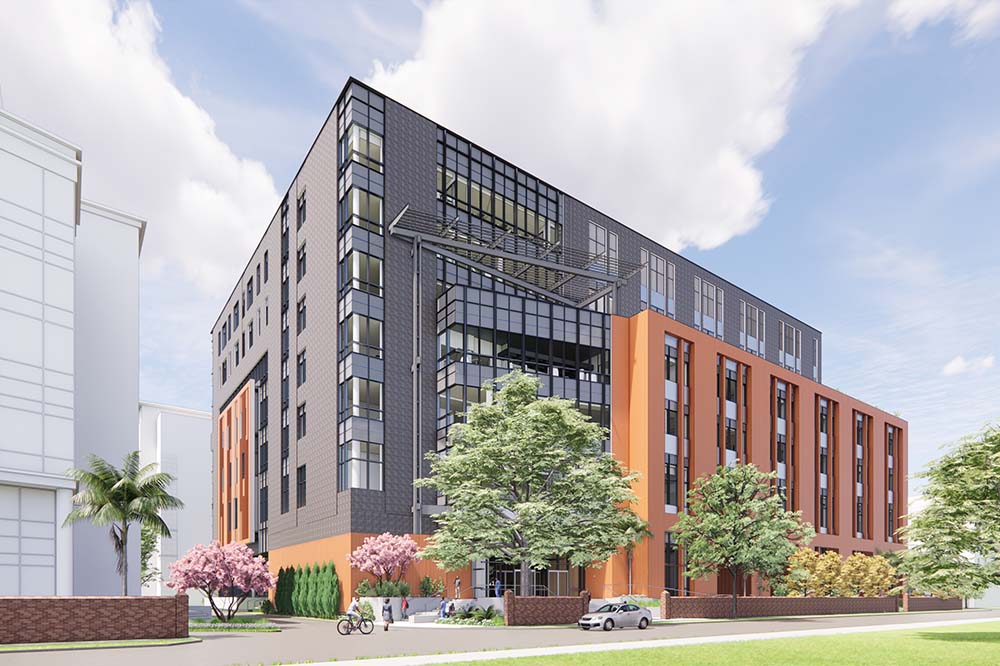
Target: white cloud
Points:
(959, 365)
(91, 72)
(974, 18)
(653, 112)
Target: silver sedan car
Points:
(609, 616)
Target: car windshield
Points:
(607, 608)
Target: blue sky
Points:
(840, 160)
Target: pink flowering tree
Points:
(232, 571)
(386, 556)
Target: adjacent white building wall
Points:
(39, 213)
(107, 376)
(178, 440)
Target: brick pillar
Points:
(664, 605)
(585, 602)
(906, 601)
(181, 615)
(508, 608)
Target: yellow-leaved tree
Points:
(800, 580)
(866, 576)
(827, 574)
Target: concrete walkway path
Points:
(430, 660)
(316, 641)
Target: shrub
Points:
(297, 589)
(364, 589)
(266, 607)
(430, 587)
(403, 589)
(367, 611)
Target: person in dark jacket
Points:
(386, 614)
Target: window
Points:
(790, 347)
(671, 418)
(249, 298)
(236, 315)
(657, 281)
(363, 146)
(890, 442)
(708, 307)
(860, 471)
(265, 266)
(250, 332)
(670, 480)
(671, 363)
(300, 486)
(300, 262)
(361, 397)
(782, 400)
(731, 434)
(300, 316)
(359, 465)
(603, 248)
(258, 278)
(300, 371)
(860, 516)
(752, 328)
(300, 210)
(824, 456)
(891, 479)
(300, 424)
(284, 485)
(860, 431)
(730, 385)
(781, 449)
(361, 271)
(362, 209)
(671, 566)
(284, 215)
(824, 508)
(824, 416)
(362, 335)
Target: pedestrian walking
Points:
(458, 587)
(496, 586)
(404, 608)
(386, 614)
(443, 608)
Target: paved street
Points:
(317, 640)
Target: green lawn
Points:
(965, 645)
(41, 647)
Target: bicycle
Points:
(347, 625)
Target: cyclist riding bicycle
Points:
(354, 610)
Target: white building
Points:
(69, 295)
(177, 440)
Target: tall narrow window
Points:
(709, 308)
(300, 486)
(670, 424)
(671, 363)
(300, 262)
(671, 561)
(300, 210)
(300, 430)
(265, 266)
(300, 371)
(670, 480)
(300, 316)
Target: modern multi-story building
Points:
(176, 440)
(405, 265)
(69, 357)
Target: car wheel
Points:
(609, 625)
(643, 623)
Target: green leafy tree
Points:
(736, 523)
(149, 543)
(527, 481)
(954, 540)
(298, 587)
(119, 498)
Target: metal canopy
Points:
(562, 274)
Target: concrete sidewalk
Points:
(430, 660)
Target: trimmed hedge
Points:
(313, 591)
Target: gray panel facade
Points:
(409, 163)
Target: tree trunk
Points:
(734, 573)
(525, 580)
(628, 556)
(124, 529)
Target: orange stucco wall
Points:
(336, 548)
(637, 437)
(234, 468)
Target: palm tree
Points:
(120, 497)
(635, 534)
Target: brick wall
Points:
(64, 619)
(535, 611)
(721, 607)
(933, 604)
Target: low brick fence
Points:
(535, 611)
(721, 606)
(66, 619)
(933, 604)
